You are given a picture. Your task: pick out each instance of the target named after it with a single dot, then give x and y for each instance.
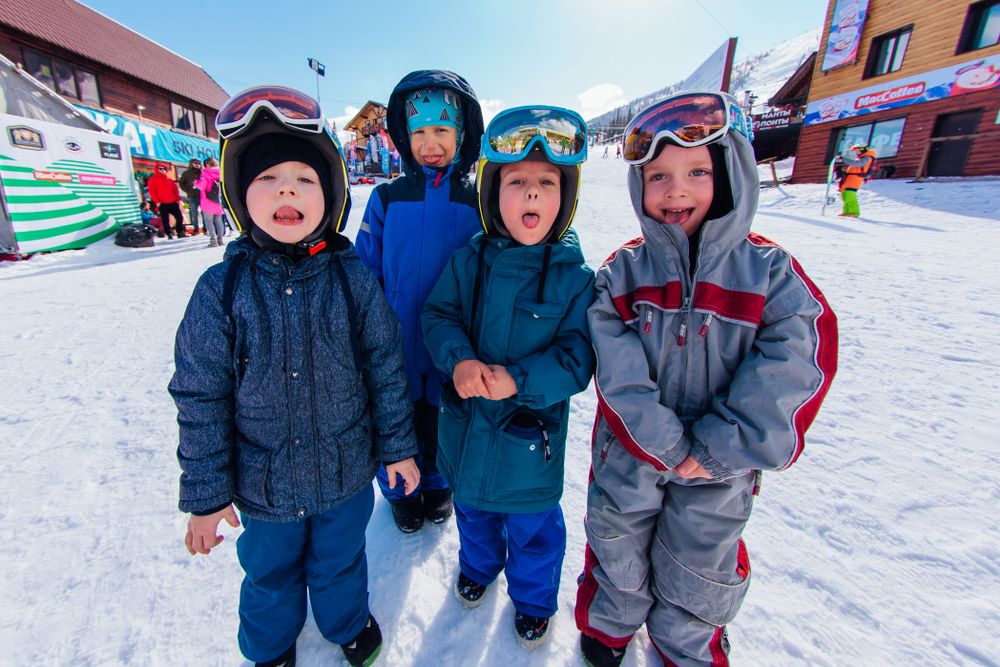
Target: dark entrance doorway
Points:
(948, 158)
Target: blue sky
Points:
(512, 52)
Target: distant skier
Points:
(618, 152)
(857, 172)
(605, 152)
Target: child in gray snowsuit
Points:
(714, 352)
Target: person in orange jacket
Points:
(167, 196)
(855, 171)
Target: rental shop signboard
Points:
(845, 33)
(969, 77)
(153, 142)
(64, 187)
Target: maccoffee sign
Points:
(845, 33)
(968, 77)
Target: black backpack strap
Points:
(352, 315)
(229, 288)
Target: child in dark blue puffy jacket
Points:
(290, 386)
(410, 228)
(507, 322)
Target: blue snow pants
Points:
(425, 425)
(528, 547)
(324, 554)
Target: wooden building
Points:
(918, 81)
(368, 126)
(164, 103)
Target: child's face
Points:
(529, 199)
(677, 187)
(434, 145)
(286, 201)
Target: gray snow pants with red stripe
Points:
(664, 551)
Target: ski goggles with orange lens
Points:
(688, 119)
(294, 110)
(514, 133)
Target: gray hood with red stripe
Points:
(719, 235)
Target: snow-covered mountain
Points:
(762, 74)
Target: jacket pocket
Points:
(535, 326)
(343, 458)
(521, 472)
(253, 482)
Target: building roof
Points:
(796, 89)
(363, 114)
(87, 33)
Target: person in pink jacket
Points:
(211, 201)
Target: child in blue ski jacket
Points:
(410, 228)
(290, 386)
(507, 322)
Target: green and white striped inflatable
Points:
(69, 204)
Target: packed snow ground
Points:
(880, 547)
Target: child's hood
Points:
(472, 115)
(717, 235)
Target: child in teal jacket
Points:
(507, 321)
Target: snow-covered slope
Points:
(879, 547)
(762, 74)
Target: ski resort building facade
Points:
(919, 82)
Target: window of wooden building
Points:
(887, 52)
(188, 120)
(982, 26)
(65, 78)
(884, 136)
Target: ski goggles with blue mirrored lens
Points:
(293, 109)
(688, 119)
(513, 133)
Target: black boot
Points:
(596, 654)
(468, 592)
(363, 649)
(531, 630)
(408, 513)
(286, 659)
(437, 505)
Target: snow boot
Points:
(596, 654)
(531, 630)
(364, 648)
(408, 513)
(286, 659)
(468, 592)
(438, 506)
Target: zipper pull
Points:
(545, 441)
(706, 324)
(648, 326)
(437, 181)
(682, 335)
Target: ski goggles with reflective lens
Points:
(689, 119)
(295, 110)
(513, 133)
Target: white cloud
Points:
(490, 108)
(343, 120)
(600, 98)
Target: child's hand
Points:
(408, 470)
(472, 378)
(201, 537)
(504, 386)
(690, 469)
